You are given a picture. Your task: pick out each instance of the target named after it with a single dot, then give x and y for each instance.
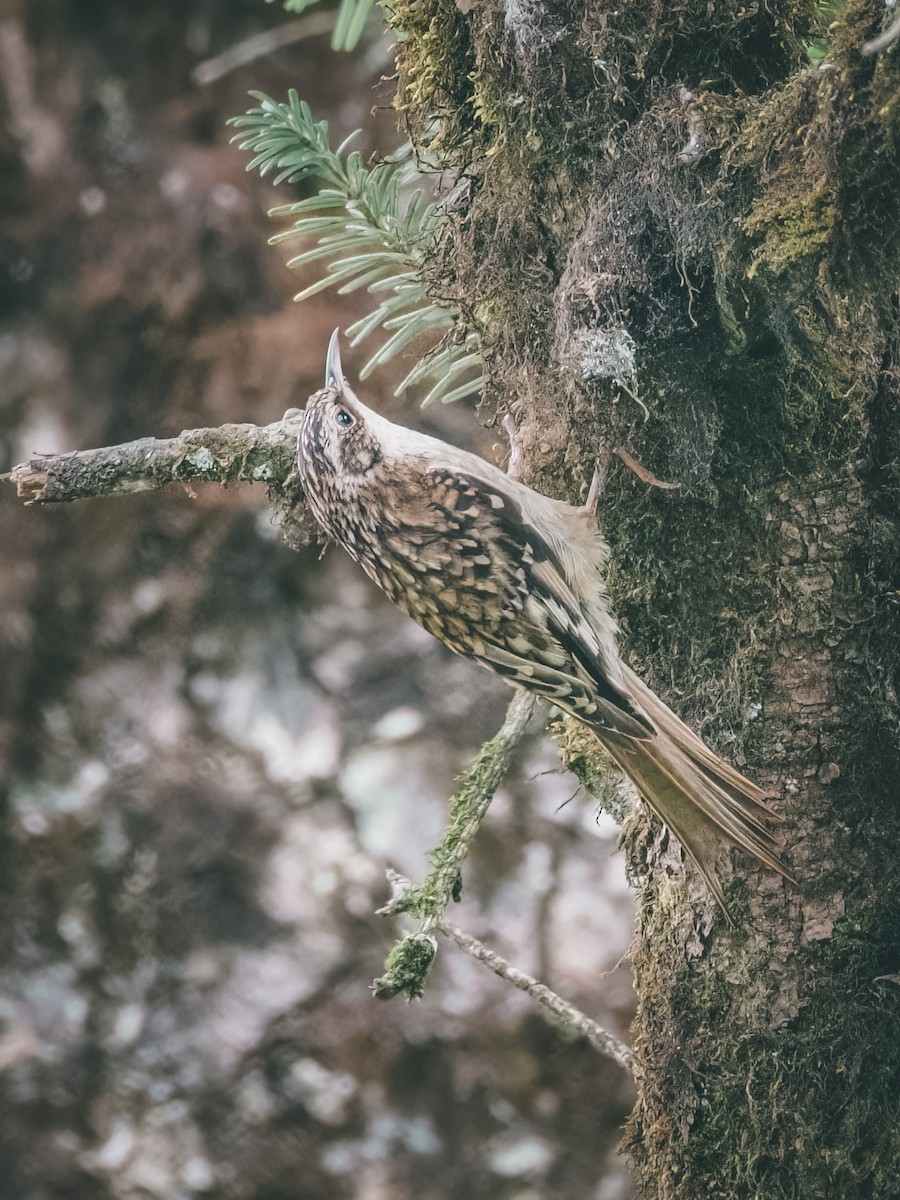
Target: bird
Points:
(514, 580)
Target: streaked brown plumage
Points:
(512, 579)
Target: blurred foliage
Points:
(349, 25)
(827, 14)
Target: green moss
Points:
(815, 1104)
(789, 227)
(407, 967)
(436, 59)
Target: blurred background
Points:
(211, 747)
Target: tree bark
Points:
(681, 236)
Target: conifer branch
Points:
(370, 231)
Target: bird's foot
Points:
(516, 464)
(598, 482)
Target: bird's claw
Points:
(516, 462)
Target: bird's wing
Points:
(513, 593)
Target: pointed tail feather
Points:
(697, 794)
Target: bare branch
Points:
(570, 1017)
(227, 454)
(410, 959)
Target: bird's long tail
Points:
(698, 795)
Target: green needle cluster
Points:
(370, 228)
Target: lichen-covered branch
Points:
(409, 962)
(468, 807)
(227, 454)
(567, 1014)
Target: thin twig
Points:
(262, 44)
(227, 454)
(571, 1018)
(884, 39)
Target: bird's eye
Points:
(343, 418)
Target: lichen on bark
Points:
(679, 236)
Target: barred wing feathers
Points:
(569, 660)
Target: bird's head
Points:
(340, 443)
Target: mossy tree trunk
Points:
(681, 236)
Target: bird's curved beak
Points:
(334, 375)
